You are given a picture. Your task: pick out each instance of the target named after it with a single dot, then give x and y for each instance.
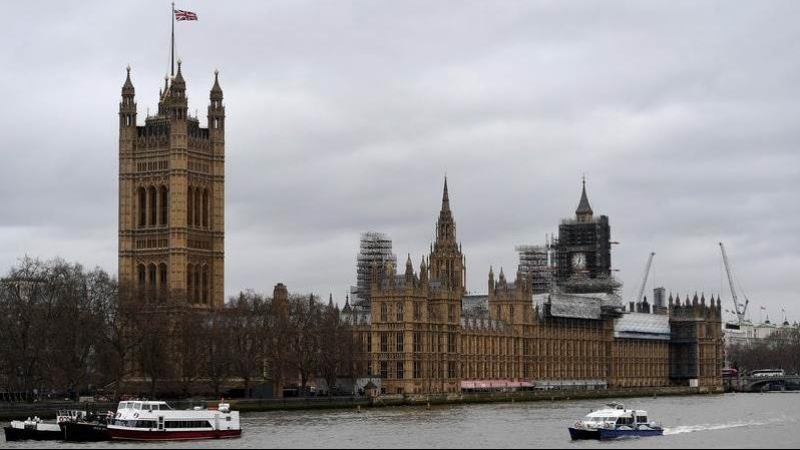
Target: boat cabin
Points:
(143, 406)
(616, 415)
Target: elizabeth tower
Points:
(172, 197)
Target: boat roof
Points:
(616, 410)
(141, 402)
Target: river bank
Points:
(47, 410)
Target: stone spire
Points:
(127, 88)
(445, 197)
(446, 261)
(216, 91)
(584, 212)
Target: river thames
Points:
(767, 420)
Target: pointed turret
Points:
(584, 212)
(491, 279)
(423, 272)
(127, 88)
(179, 84)
(127, 107)
(216, 116)
(409, 271)
(174, 102)
(346, 309)
(216, 91)
(330, 300)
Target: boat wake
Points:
(710, 427)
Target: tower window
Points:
(152, 206)
(189, 283)
(205, 208)
(142, 207)
(162, 276)
(205, 284)
(141, 275)
(190, 207)
(197, 207)
(151, 275)
(164, 205)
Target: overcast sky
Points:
(345, 117)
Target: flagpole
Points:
(172, 53)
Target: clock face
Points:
(578, 261)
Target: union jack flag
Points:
(184, 15)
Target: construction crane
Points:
(740, 312)
(644, 277)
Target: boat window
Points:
(137, 405)
(641, 419)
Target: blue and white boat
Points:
(613, 422)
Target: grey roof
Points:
(583, 306)
(565, 305)
(642, 326)
(583, 206)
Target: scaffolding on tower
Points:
(536, 265)
(375, 251)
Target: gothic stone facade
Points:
(171, 196)
(419, 339)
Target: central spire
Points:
(445, 197)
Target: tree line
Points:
(65, 329)
(779, 350)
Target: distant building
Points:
(423, 334)
(171, 196)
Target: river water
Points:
(766, 420)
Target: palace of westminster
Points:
(420, 330)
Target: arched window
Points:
(197, 282)
(190, 207)
(151, 275)
(142, 195)
(141, 275)
(164, 205)
(205, 284)
(205, 208)
(162, 276)
(197, 207)
(189, 283)
(153, 199)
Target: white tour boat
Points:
(142, 420)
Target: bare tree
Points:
(304, 342)
(217, 343)
(246, 317)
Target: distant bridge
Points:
(759, 384)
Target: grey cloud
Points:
(344, 118)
